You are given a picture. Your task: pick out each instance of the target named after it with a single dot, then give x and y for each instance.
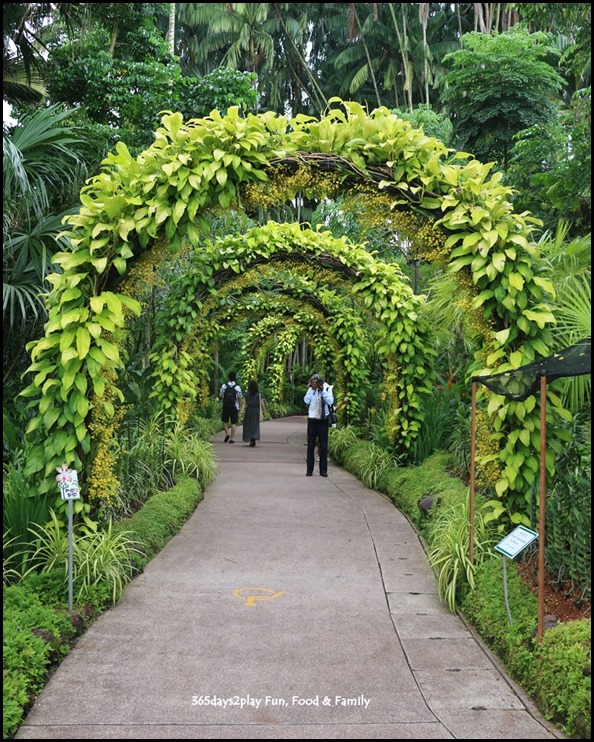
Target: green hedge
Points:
(160, 519)
(556, 671)
(35, 637)
(38, 631)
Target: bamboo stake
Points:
(472, 457)
(541, 514)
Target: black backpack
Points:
(229, 396)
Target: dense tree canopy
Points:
(499, 85)
(121, 73)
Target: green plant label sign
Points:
(516, 541)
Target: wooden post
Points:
(542, 505)
(472, 457)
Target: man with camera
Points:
(318, 402)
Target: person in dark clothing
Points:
(254, 408)
(230, 396)
(318, 401)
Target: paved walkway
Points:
(288, 607)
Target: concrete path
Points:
(288, 607)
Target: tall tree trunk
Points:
(479, 22)
(498, 16)
(171, 30)
(408, 65)
(403, 43)
(459, 16)
(486, 17)
(369, 65)
(114, 30)
(424, 19)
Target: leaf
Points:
(498, 259)
(502, 336)
(83, 341)
(516, 280)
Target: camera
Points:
(316, 382)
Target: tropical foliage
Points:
(43, 170)
(220, 161)
(221, 155)
(499, 85)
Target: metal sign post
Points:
(511, 546)
(69, 490)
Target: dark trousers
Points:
(317, 431)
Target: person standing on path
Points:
(318, 402)
(254, 407)
(230, 394)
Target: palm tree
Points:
(253, 37)
(20, 61)
(234, 34)
(404, 44)
(374, 48)
(23, 61)
(404, 47)
(355, 26)
(39, 158)
(297, 81)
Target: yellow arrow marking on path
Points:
(250, 600)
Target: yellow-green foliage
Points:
(563, 684)
(450, 203)
(226, 265)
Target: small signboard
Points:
(516, 541)
(68, 483)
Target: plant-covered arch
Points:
(277, 336)
(160, 199)
(234, 265)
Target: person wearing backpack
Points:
(230, 394)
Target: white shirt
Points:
(313, 399)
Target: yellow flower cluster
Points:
(198, 349)
(429, 243)
(389, 396)
(103, 484)
(475, 319)
(374, 210)
(285, 183)
(488, 473)
(144, 274)
(183, 410)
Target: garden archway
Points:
(156, 201)
(376, 289)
